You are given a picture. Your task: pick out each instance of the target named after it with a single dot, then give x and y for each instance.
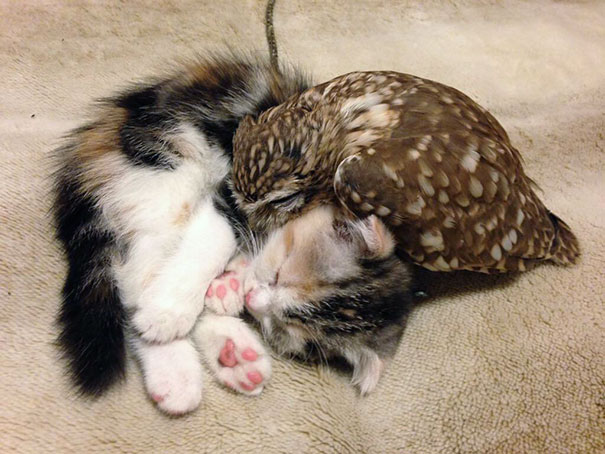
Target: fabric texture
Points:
(489, 364)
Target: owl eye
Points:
(288, 202)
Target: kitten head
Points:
(334, 288)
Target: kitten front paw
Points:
(164, 321)
(234, 354)
(225, 294)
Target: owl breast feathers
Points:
(435, 166)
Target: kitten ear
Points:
(378, 240)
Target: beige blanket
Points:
(490, 364)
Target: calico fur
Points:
(145, 215)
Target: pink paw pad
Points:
(247, 386)
(227, 354)
(221, 291)
(255, 377)
(157, 397)
(249, 355)
(209, 292)
(234, 284)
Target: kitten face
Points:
(330, 287)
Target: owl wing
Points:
(453, 200)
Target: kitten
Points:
(145, 215)
(327, 287)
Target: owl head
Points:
(278, 173)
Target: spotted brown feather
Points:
(433, 164)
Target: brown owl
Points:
(435, 166)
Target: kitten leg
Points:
(169, 306)
(367, 369)
(172, 373)
(225, 295)
(234, 353)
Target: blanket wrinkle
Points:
(487, 364)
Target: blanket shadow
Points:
(431, 286)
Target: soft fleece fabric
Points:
(488, 365)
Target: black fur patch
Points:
(139, 102)
(91, 315)
(220, 133)
(92, 320)
(203, 103)
(141, 135)
(226, 204)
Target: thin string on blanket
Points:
(270, 32)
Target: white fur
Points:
(141, 200)
(177, 243)
(172, 374)
(169, 306)
(170, 262)
(211, 333)
(172, 371)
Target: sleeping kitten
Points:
(324, 286)
(145, 216)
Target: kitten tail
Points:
(91, 316)
(92, 320)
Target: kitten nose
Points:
(255, 302)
